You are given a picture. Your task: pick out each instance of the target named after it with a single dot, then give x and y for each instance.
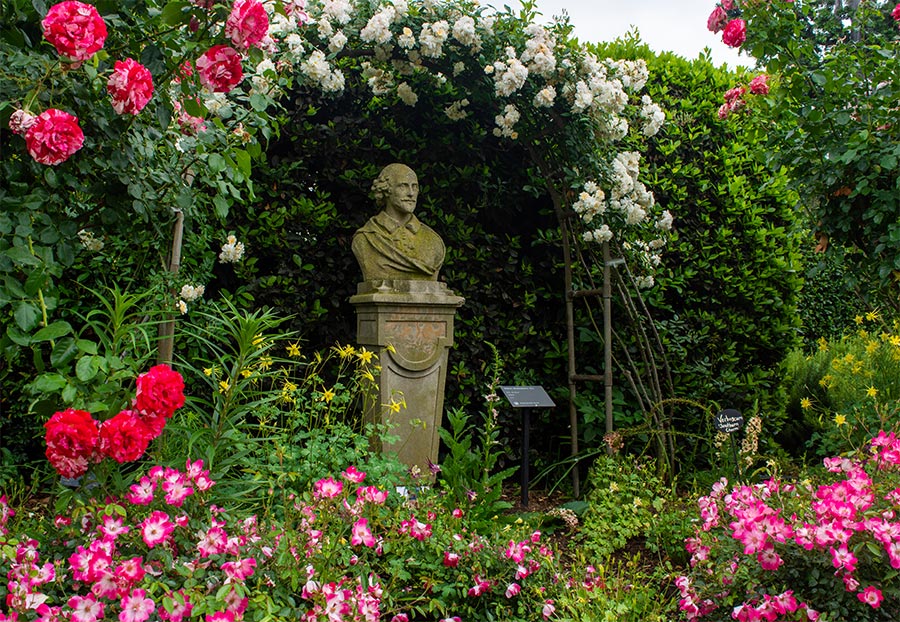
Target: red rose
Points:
(130, 86)
(75, 29)
(896, 12)
(220, 68)
(160, 391)
(759, 85)
(735, 33)
(71, 439)
(53, 137)
(247, 24)
(124, 438)
(717, 20)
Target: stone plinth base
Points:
(409, 324)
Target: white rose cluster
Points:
(653, 116)
(455, 110)
(317, 69)
(509, 76)
(406, 94)
(232, 251)
(506, 121)
(378, 30)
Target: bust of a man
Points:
(394, 244)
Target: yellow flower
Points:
(327, 395)
(895, 340)
(823, 343)
(857, 367)
(224, 386)
(246, 373)
(840, 420)
(265, 362)
(805, 403)
(826, 380)
(368, 376)
(293, 349)
(873, 316)
(209, 371)
(871, 392)
(289, 387)
(365, 356)
(345, 351)
(390, 348)
(258, 340)
(858, 319)
(395, 406)
(871, 346)
(863, 333)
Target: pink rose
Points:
(896, 12)
(247, 24)
(54, 137)
(760, 85)
(20, 121)
(732, 95)
(160, 391)
(75, 29)
(717, 20)
(220, 68)
(124, 438)
(130, 86)
(728, 4)
(735, 33)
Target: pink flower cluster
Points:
(734, 98)
(106, 575)
(832, 523)
(75, 440)
(75, 29)
(130, 86)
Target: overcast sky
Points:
(665, 25)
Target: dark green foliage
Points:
(478, 195)
(727, 297)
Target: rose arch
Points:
(159, 116)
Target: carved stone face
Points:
(403, 192)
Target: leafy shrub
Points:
(848, 388)
(624, 497)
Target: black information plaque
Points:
(728, 421)
(527, 397)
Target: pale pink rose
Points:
(717, 20)
(760, 85)
(75, 29)
(220, 68)
(247, 24)
(130, 86)
(735, 33)
(53, 137)
(20, 121)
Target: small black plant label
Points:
(527, 397)
(728, 421)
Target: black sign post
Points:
(526, 398)
(728, 422)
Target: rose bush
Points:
(780, 550)
(830, 114)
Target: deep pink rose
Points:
(72, 437)
(247, 24)
(896, 12)
(728, 4)
(159, 391)
(54, 137)
(220, 68)
(124, 438)
(760, 85)
(717, 20)
(75, 29)
(20, 121)
(732, 95)
(735, 33)
(130, 86)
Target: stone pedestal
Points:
(409, 324)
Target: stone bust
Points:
(394, 244)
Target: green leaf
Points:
(87, 367)
(35, 282)
(86, 346)
(48, 383)
(243, 161)
(173, 13)
(27, 316)
(216, 163)
(63, 352)
(221, 205)
(54, 331)
(22, 256)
